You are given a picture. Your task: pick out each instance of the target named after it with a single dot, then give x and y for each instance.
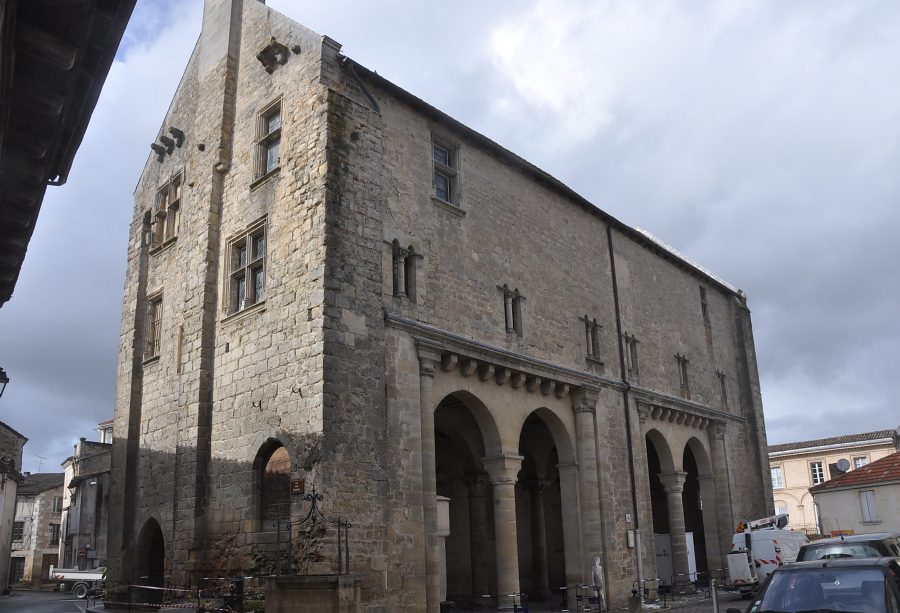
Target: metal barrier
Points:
(211, 595)
(284, 548)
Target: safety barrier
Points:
(211, 595)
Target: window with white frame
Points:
(268, 143)
(777, 477)
(445, 171)
(57, 504)
(154, 326)
(860, 461)
(166, 213)
(781, 507)
(867, 506)
(817, 472)
(247, 268)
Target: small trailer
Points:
(79, 582)
(759, 547)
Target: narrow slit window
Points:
(154, 327)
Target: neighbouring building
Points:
(85, 515)
(36, 528)
(11, 444)
(863, 500)
(334, 287)
(796, 467)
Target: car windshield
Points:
(860, 590)
(840, 550)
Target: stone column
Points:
(714, 556)
(429, 359)
(479, 498)
(443, 531)
(584, 402)
(572, 542)
(673, 484)
(723, 492)
(503, 471)
(539, 538)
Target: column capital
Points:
(584, 399)
(503, 469)
(673, 483)
(643, 412)
(717, 429)
(538, 486)
(479, 485)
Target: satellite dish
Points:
(843, 465)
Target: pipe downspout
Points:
(623, 374)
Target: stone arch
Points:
(272, 468)
(561, 436)
(150, 565)
(490, 433)
(699, 506)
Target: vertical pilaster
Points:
(711, 522)
(479, 498)
(723, 486)
(503, 471)
(673, 484)
(584, 403)
(539, 537)
(572, 541)
(429, 359)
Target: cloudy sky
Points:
(760, 138)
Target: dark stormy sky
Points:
(760, 138)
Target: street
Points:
(25, 601)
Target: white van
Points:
(759, 549)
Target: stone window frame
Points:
(704, 307)
(153, 326)
(404, 270)
(723, 386)
(513, 310)
(18, 531)
(54, 533)
(163, 219)
(631, 356)
(450, 171)
(592, 338)
(684, 375)
(247, 270)
(57, 504)
(268, 139)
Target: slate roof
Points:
(36, 483)
(834, 440)
(883, 470)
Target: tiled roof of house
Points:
(106, 422)
(883, 470)
(36, 483)
(834, 440)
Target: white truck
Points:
(758, 548)
(78, 581)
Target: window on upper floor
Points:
(161, 222)
(512, 310)
(57, 504)
(860, 461)
(704, 306)
(817, 472)
(868, 506)
(404, 271)
(268, 139)
(445, 158)
(18, 532)
(723, 387)
(54, 534)
(247, 268)
(154, 326)
(777, 477)
(631, 357)
(592, 337)
(683, 375)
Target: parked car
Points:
(861, 585)
(852, 546)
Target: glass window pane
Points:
(258, 283)
(240, 256)
(259, 246)
(442, 155)
(272, 155)
(241, 292)
(273, 122)
(442, 186)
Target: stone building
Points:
(334, 286)
(796, 467)
(36, 528)
(11, 444)
(85, 515)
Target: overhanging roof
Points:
(54, 57)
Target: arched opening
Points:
(151, 557)
(542, 566)
(471, 569)
(273, 475)
(693, 504)
(659, 462)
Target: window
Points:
(512, 310)
(18, 531)
(683, 375)
(867, 506)
(781, 507)
(723, 388)
(817, 472)
(268, 143)
(631, 356)
(154, 327)
(860, 462)
(592, 337)
(777, 477)
(445, 168)
(247, 268)
(16, 570)
(704, 306)
(164, 218)
(57, 504)
(404, 271)
(54, 534)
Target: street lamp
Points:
(4, 379)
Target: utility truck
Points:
(80, 582)
(758, 547)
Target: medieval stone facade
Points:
(334, 286)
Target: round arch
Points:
(663, 451)
(490, 433)
(701, 456)
(564, 448)
(151, 553)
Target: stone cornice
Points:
(659, 407)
